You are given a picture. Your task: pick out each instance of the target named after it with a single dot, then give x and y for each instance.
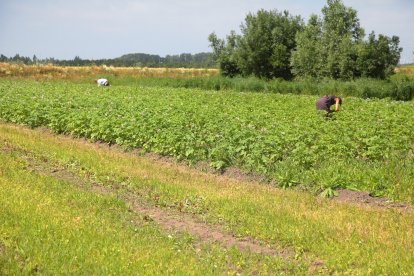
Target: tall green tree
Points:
(377, 58)
(308, 59)
(328, 47)
(334, 47)
(341, 35)
(224, 53)
(263, 49)
(266, 44)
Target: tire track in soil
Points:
(168, 219)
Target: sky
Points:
(93, 29)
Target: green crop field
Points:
(367, 146)
(74, 206)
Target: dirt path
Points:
(171, 220)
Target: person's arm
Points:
(336, 104)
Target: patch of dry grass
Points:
(406, 70)
(50, 72)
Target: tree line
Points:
(200, 60)
(276, 44)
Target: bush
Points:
(398, 87)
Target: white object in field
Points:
(102, 82)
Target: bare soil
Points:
(364, 199)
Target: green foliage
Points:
(266, 43)
(277, 45)
(397, 87)
(328, 193)
(377, 58)
(186, 60)
(224, 53)
(279, 136)
(264, 48)
(307, 60)
(341, 33)
(333, 47)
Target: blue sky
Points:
(110, 28)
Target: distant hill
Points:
(200, 60)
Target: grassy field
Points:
(68, 207)
(51, 224)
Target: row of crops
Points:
(367, 146)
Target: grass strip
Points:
(51, 227)
(343, 238)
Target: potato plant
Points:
(368, 145)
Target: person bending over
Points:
(102, 82)
(327, 101)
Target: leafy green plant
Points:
(280, 136)
(328, 193)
